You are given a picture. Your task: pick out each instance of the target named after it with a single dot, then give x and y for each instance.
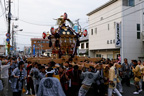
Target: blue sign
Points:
(34, 49)
(11, 48)
(7, 39)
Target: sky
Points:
(37, 16)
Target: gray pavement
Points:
(128, 91)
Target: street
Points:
(128, 91)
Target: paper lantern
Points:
(44, 35)
(85, 33)
(65, 16)
(52, 31)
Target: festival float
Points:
(64, 42)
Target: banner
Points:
(34, 49)
(118, 38)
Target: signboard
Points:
(7, 39)
(7, 34)
(34, 49)
(118, 37)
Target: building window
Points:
(128, 2)
(95, 30)
(108, 26)
(87, 45)
(34, 41)
(43, 41)
(138, 31)
(98, 55)
(38, 41)
(138, 27)
(47, 41)
(91, 31)
(110, 41)
(138, 35)
(114, 41)
(101, 18)
(82, 46)
(107, 41)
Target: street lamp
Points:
(13, 32)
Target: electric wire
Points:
(115, 13)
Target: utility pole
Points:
(9, 26)
(12, 38)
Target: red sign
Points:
(7, 34)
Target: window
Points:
(47, 41)
(98, 55)
(82, 46)
(101, 18)
(95, 30)
(38, 41)
(107, 41)
(34, 41)
(43, 41)
(110, 41)
(138, 35)
(138, 27)
(91, 31)
(138, 31)
(87, 45)
(128, 2)
(131, 2)
(108, 26)
(114, 41)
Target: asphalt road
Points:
(128, 91)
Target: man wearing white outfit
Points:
(4, 77)
(113, 73)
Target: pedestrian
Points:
(137, 76)
(125, 71)
(19, 75)
(74, 74)
(64, 79)
(35, 77)
(5, 76)
(50, 86)
(113, 73)
(29, 80)
(89, 78)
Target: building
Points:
(39, 46)
(84, 46)
(2, 49)
(117, 28)
(27, 50)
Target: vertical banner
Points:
(34, 49)
(118, 38)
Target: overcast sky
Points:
(36, 16)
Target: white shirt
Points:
(4, 71)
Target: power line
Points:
(35, 23)
(2, 14)
(27, 35)
(118, 17)
(114, 14)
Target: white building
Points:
(2, 49)
(84, 46)
(103, 32)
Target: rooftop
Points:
(101, 7)
(84, 38)
(38, 39)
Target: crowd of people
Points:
(103, 78)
